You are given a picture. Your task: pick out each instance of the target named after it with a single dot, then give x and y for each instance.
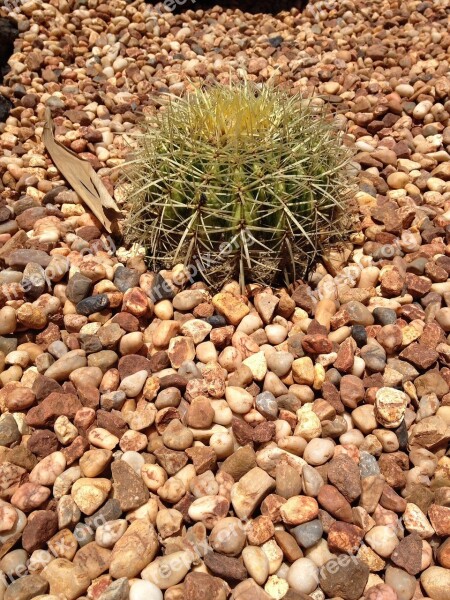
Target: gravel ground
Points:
(157, 436)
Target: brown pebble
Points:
(226, 567)
(335, 503)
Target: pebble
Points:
(308, 534)
(90, 493)
(280, 363)
(8, 320)
(312, 481)
(141, 590)
(33, 280)
(117, 590)
(78, 288)
(368, 465)
(92, 304)
(231, 307)
(298, 510)
(257, 365)
(65, 578)
(374, 356)
(318, 451)
(61, 369)
(267, 405)
(212, 587)
(256, 563)
(359, 334)
(435, 581)
(335, 503)
(102, 438)
(46, 472)
(239, 400)
(302, 576)
(134, 550)
(225, 566)
(9, 430)
(125, 278)
(344, 474)
(384, 316)
(390, 406)
(181, 349)
(133, 384)
(308, 425)
(401, 582)
(334, 578)
(415, 521)
(358, 314)
(9, 517)
(249, 491)
(408, 554)
(382, 540)
(303, 371)
(187, 300)
(13, 561)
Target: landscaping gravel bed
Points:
(161, 440)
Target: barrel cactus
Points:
(239, 181)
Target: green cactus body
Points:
(245, 181)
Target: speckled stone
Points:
(368, 465)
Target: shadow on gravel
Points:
(250, 6)
(8, 33)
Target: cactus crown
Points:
(239, 181)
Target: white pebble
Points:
(145, 590)
(303, 576)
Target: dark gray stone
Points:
(384, 316)
(84, 534)
(308, 534)
(216, 321)
(78, 288)
(359, 334)
(161, 289)
(92, 304)
(368, 465)
(125, 278)
(108, 512)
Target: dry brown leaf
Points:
(82, 177)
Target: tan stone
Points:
(371, 559)
(299, 509)
(233, 308)
(93, 559)
(416, 522)
(135, 550)
(249, 491)
(66, 579)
